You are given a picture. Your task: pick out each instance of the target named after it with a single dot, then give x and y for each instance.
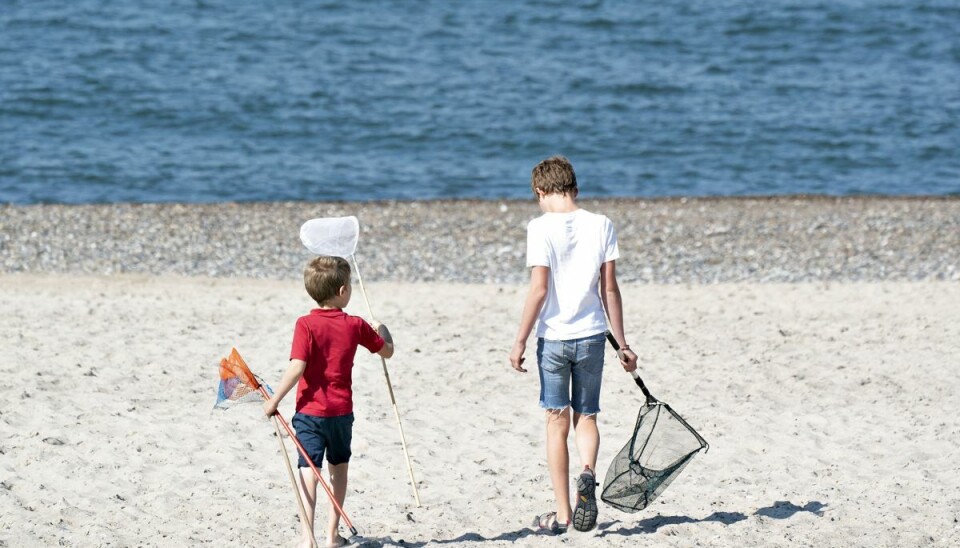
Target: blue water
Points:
(238, 100)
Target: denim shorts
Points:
(319, 434)
(579, 360)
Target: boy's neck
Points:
(558, 203)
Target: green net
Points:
(661, 447)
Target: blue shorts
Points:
(579, 360)
(319, 434)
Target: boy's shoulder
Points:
(582, 217)
(330, 321)
(321, 316)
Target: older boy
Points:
(321, 363)
(572, 253)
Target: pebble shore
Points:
(710, 240)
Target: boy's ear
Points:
(342, 290)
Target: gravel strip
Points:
(784, 239)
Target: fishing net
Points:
(333, 236)
(237, 383)
(661, 447)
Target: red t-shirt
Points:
(327, 340)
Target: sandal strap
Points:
(547, 521)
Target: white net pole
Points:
(393, 399)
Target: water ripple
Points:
(216, 100)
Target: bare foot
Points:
(305, 543)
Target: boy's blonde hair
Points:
(554, 176)
(324, 276)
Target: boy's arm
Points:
(289, 379)
(387, 350)
(613, 304)
(539, 280)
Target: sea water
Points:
(234, 100)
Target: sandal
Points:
(548, 523)
(585, 514)
(342, 542)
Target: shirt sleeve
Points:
(536, 246)
(300, 349)
(369, 339)
(611, 248)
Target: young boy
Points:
(572, 253)
(321, 363)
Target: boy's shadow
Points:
(783, 509)
(511, 536)
(651, 525)
(779, 510)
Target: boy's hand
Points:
(628, 359)
(382, 331)
(387, 351)
(516, 356)
(270, 407)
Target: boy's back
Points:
(573, 245)
(327, 340)
(572, 254)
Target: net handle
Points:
(313, 467)
(257, 385)
(393, 399)
(636, 376)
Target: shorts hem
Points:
(587, 413)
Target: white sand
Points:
(831, 413)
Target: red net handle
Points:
(239, 367)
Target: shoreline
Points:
(585, 197)
(663, 240)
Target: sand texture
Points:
(831, 410)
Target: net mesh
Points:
(334, 236)
(661, 447)
(237, 384)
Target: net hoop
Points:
(332, 236)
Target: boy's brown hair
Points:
(554, 176)
(324, 276)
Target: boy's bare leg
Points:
(338, 482)
(558, 460)
(308, 492)
(588, 439)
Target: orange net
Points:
(237, 383)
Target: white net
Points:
(333, 236)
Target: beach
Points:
(682, 240)
(813, 342)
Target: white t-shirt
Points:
(573, 245)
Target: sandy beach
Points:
(829, 402)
